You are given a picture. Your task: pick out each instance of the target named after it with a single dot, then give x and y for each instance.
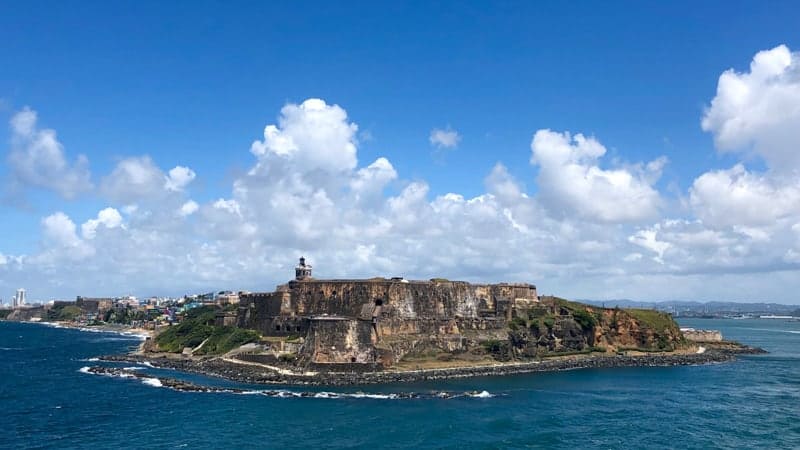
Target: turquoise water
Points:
(46, 402)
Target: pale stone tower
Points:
(302, 271)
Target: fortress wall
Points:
(263, 312)
(340, 341)
(335, 316)
(396, 326)
(701, 335)
(440, 300)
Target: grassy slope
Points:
(197, 326)
(659, 322)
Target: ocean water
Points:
(46, 401)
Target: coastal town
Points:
(128, 310)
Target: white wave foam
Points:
(148, 364)
(362, 395)
(134, 368)
(155, 382)
(285, 394)
(121, 333)
(50, 324)
(90, 330)
(482, 394)
(774, 331)
(86, 369)
(323, 394)
(375, 396)
(91, 359)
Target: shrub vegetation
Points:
(198, 326)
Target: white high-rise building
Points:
(19, 298)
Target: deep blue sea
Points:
(47, 402)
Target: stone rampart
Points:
(694, 335)
(341, 321)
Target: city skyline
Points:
(640, 152)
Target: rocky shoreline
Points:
(186, 386)
(256, 374)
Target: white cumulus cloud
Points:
(572, 183)
(133, 179)
(759, 111)
(108, 217)
(579, 231)
(444, 138)
(178, 178)
(648, 238)
(313, 134)
(37, 158)
(188, 208)
(739, 197)
(139, 179)
(61, 241)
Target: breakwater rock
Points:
(259, 374)
(185, 386)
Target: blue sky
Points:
(193, 85)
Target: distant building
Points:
(227, 298)
(94, 305)
(19, 298)
(302, 271)
(129, 301)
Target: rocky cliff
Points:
(558, 326)
(383, 322)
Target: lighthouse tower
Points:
(302, 271)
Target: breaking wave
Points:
(482, 394)
(282, 393)
(155, 382)
(773, 331)
(88, 370)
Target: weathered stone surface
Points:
(702, 335)
(381, 321)
(355, 321)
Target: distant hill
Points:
(680, 308)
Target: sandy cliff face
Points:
(556, 326)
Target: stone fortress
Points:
(375, 322)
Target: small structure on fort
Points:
(303, 270)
